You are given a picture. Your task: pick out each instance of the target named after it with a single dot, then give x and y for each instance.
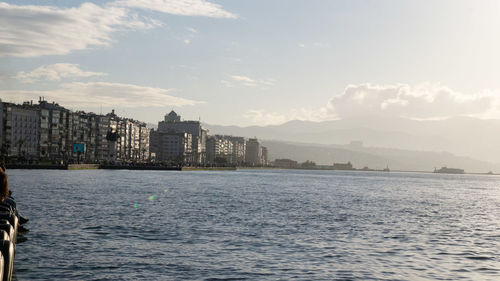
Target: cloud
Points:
(423, 101)
(30, 31)
(244, 79)
(311, 114)
(247, 81)
(262, 118)
(95, 94)
(192, 30)
(180, 7)
(55, 72)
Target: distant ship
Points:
(445, 170)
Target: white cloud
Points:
(55, 72)
(30, 31)
(192, 30)
(424, 101)
(311, 114)
(262, 118)
(247, 81)
(180, 7)
(95, 94)
(420, 102)
(187, 41)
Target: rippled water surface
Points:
(257, 225)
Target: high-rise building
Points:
(171, 146)
(48, 131)
(225, 150)
(173, 123)
(253, 155)
(265, 156)
(132, 139)
(218, 150)
(81, 134)
(55, 133)
(20, 130)
(238, 150)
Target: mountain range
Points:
(406, 144)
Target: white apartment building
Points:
(21, 130)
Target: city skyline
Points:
(259, 63)
(47, 132)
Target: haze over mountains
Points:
(401, 143)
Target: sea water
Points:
(257, 225)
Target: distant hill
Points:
(463, 136)
(377, 158)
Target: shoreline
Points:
(164, 168)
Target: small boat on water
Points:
(445, 170)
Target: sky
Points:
(259, 62)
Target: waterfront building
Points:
(219, 149)
(136, 140)
(100, 132)
(224, 149)
(81, 134)
(446, 170)
(88, 130)
(55, 133)
(129, 138)
(171, 146)
(48, 131)
(143, 143)
(20, 130)
(308, 165)
(265, 159)
(130, 141)
(253, 154)
(172, 123)
(285, 163)
(342, 166)
(238, 148)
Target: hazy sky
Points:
(254, 62)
